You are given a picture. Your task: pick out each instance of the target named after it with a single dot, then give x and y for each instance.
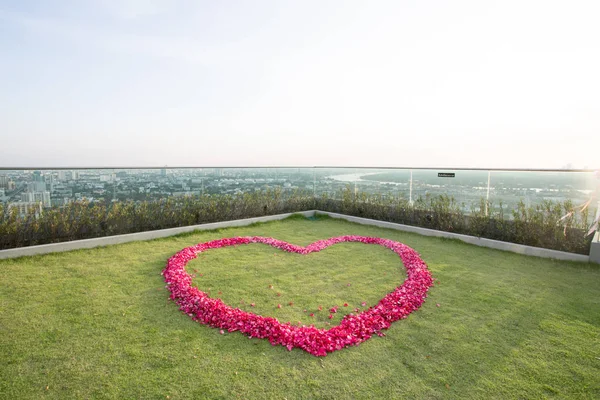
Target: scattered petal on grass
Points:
(437, 305)
(345, 304)
(252, 304)
(363, 304)
(330, 316)
(312, 314)
(221, 331)
(278, 305)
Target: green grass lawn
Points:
(98, 323)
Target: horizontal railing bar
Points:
(304, 167)
(476, 169)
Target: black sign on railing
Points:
(446, 174)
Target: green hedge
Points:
(535, 226)
(84, 220)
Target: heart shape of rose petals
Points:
(352, 330)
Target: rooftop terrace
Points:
(98, 323)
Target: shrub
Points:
(84, 220)
(540, 225)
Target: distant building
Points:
(163, 172)
(44, 197)
(36, 197)
(27, 197)
(63, 175)
(49, 179)
(7, 183)
(60, 190)
(108, 178)
(38, 177)
(26, 207)
(61, 201)
(75, 175)
(36, 186)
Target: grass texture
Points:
(99, 324)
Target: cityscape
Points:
(35, 190)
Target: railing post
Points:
(595, 245)
(314, 183)
(487, 197)
(410, 201)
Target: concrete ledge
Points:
(595, 248)
(132, 237)
(494, 244)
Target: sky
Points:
(499, 84)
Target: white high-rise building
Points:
(27, 197)
(43, 197)
(36, 197)
(25, 207)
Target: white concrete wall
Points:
(595, 248)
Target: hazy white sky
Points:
(370, 83)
